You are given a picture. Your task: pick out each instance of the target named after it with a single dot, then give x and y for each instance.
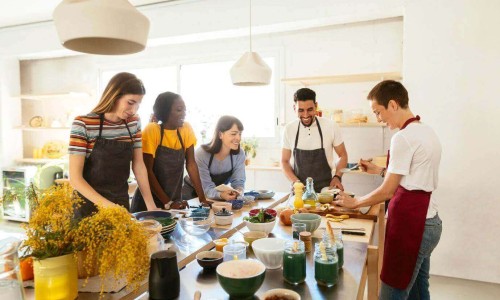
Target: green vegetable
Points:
(165, 221)
(261, 217)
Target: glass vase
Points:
(56, 278)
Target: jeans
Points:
(418, 288)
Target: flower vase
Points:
(56, 278)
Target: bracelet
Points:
(337, 176)
(382, 173)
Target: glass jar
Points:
(294, 262)
(326, 268)
(56, 278)
(310, 196)
(11, 286)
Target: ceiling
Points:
(22, 12)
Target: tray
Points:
(352, 213)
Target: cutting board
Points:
(352, 213)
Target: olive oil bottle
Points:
(310, 197)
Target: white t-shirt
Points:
(309, 138)
(416, 154)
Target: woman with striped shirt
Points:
(104, 142)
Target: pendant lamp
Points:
(250, 69)
(109, 27)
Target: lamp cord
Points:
(250, 28)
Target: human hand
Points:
(229, 195)
(336, 184)
(206, 204)
(179, 205)
(153, 208)
(368, 167)
(345, 200)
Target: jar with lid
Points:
(326, 269)
(294, 262)
(310, 197)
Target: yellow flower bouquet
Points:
(249, 146)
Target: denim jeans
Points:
(418, 288)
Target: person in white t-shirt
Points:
(413, 224)
(312, 141)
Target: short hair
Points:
(163, 105)
(304, 94)
(121, 84)
(388, 90)
(224, 124)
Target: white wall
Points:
(452, 70)
(451, 66)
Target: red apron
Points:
(404, 232)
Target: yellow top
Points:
(151, 138)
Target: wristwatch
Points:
(337, 176)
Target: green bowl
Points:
(312, 221)
(241, 278)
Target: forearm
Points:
(141, 175)
(382, 193)
(194, 175)
(289, 173)
(84, 188)
(341, 164)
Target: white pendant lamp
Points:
(109, 27)
(250, 69)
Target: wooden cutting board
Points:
(352, 213)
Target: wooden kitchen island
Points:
(358, 250)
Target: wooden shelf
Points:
(348, 78)
(71, 96)
(35, 160)
(27, 128)
(369, 124)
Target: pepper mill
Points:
(164, 281)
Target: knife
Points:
(353, 232)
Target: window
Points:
(209, 94)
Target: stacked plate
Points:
(164, 217)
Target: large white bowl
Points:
(269, 251)
(265, 227)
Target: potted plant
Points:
(249, 146)
(50, 242)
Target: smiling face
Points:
(177, 114)
(384, 115)
(306, 111)
(125, 107)
(231, 138)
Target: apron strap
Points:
(180, 139)
(129, 133)
(212, 158)
(162, 127)
(101, 121)
(161, 133)
(297, 135)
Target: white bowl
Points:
(265, 227)
(218, 206)
(223, 220)
(283, 293)
(269, 251)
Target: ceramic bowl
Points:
(144, 215)
(325, 198)
(269, 251)
(280, 294)
(223, 220)
(218, 206)
(209, 259)
(237, 204)
(252, 236)
(264, 194)
(312, 221)
(196, 225)
(241, 278)
(266, 227)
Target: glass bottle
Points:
(298, 189)
(339, 243)
(294, 262)
(326, 268)
(310, 196)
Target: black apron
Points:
(188, 191)
(168, 168)
(107, 170)
(312, 163)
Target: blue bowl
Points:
(202, 212)
(144, 215)
(237, 204)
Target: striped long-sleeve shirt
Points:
(85, 130)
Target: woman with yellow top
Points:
(167, 146)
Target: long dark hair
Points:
(163, 106)
(224, 124)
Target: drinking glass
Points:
(11, 286)
(235, 251)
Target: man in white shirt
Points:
(413, 224)
(312, 140)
